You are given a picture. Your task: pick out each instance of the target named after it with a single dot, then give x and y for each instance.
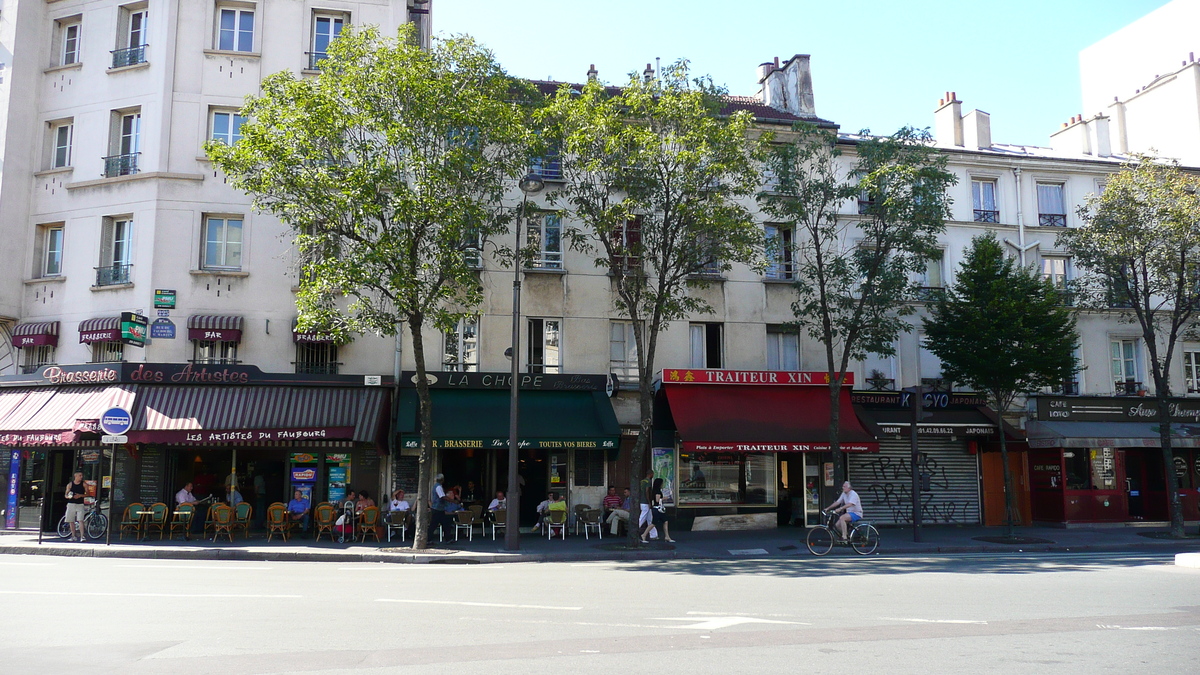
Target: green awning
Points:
(478, 418)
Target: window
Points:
(931, 368)
(622, 350)
(212, 352)
(779, 252)
(461, 353)
(68, 36)
(1191, 371)
(589, 467)
(548, 166)
(50, 251)
(706, 348)
(472, 248)
(222, 243)
(1073, 386)
(1052, 210)
(125, 144)
(710, 265)
(545, 238)
(627, 246)
(983, 200)
(326, 27)
(62, 135)
(783, 348)
(131, 47)
(116, 249)
(932, 277)
(879, 372)
(227, 127)
(1124, 357)
(866, 198)
(726, 478)
(316, 358)
(235, 30)
(108, 352)
(36, 357)
(545, 346)
(1058, 272)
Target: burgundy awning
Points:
(215, 328)
(737, 418)
(104, 329)
(35, 334)
(55, 416)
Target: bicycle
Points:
(864, 538)
(95, 524)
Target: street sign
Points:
(115, 421)
(162, 329)
(114, 438)
(164, 298)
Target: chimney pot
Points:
(954, 96)
(1191, 56)
(1064, 125)
(776, 61)
(941, 102)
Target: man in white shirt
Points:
(851, 508)
(399, 503)
(185, 496)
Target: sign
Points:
(544, 382)
(828, 474)
(134, 329)
(662, 461)
(170, 373)
(303, 475)
(303, 457)
(14, 490)
(372, 380)
(164, 298)
(701, 446)
(162, 313)
(930, 399)
(116, 421)
(502, 443)
(895, 429)
(1115, 409)
(405, 470)
(755, 377)
(244, 435)
(116, 439)
(162, 329)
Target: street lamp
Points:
(531, 184)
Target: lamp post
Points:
(531, 184)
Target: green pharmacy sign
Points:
(134, 329)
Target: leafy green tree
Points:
(653, 175)
(1139, 249)
(390, 167)
(855, 275)
(1002, 330)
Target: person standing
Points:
(643, 492)
(76, 511)
(438, 505)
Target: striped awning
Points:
(104, 329)
(298, 336)
(35, 334)
(46, 416)
(215, 328)
(218, 415)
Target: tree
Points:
(389, 167)
(1139, 249)
(1003, 330)
(653, 174)
(854, 276)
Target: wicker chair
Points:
(323, 519)
(130, 520)
(277, 521)
(222, 516)
(243, 515)
(182, 522)
(368, 521)
(157, 520)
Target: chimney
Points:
(948, 122)
(592, 73)
(648, 73)
(764, 69)
(1073, 138)
(977, 130)
(789, 87)
(419, 16)
(1118, 136)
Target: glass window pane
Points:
(246, 32)
(790, 351)
(1050, 199)
(773, 351)
(236, 135)
(697, 345)
(226, 34)
(221, 127)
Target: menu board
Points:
(122, 490)
(405, 470)
(152, 476)
(1104, 469)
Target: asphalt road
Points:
(1085, 612)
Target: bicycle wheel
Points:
(64, 528)
(820, 541)
(96, 526)
(864, 539)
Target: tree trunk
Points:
(425, 412)
(1010, 500)
(1171, 481)
(835, 441)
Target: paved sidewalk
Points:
(778, 543)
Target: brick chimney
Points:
(789, 87)
(948, 122)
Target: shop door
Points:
(992, 468)
(60, 467)
(1135, 483)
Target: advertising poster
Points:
(662, 460)
(337, 484)
(14, 488)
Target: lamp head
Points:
(531, 184)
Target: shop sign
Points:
(337, 457)
(692, 446)
(164, 298)
(502, 443)
(1097, 409)
(90, 457)
(303, 457)
(755, 377)
(169, 373)
(1180, 467)
(937, 430)
(86, 426)
(162, 329)
(931, 399)
(542, 382)
(244, 435)
(828, 474)
(304, 475)
(134, 329)
(34, 438)
(14, 487)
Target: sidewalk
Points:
(779, 543)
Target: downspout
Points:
(393, 428)
(1020, 217)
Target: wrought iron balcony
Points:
(928, 293)
(129, 57)
(121, 165)
(314, 63)
(547, 168)
(114, 275)
(1052, 219)
(986, 216)
(1067, 388)
(937, 384)
(317, 368)
(881, 384)
(1128, 388)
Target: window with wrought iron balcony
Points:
(983, 201)
(1128, 388)
(133, 34)
(1052, 210)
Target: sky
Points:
(877, 64)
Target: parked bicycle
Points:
(863, 537)
(95, 523)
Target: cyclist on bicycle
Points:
(851, 508)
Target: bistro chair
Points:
(222, 515)
(477, 511)
(368, 521)
(500, 520)
(277, 521)
(580, 509)
(464, 520)
(157, 519)
(323, 520)
(182, 522)
(591, 518)
(242, 517)
(397, 520)
(556, 519)
(130, 520)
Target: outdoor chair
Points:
(556, 520)
(477, 511)
(499, 520)
(243, 515)
(368, 521)
(464, 520)
(222, 516)
(182, 522)
(397, 520)
(580, 509)
(158, 519)
(323, 519)
(591, 518)
(130, 520)
(277, 521)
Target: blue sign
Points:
(14, 488)
(162, 329)
(116, 421)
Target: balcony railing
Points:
(314, 63)
(121, 165)
(1127, 388)
(114, 275)
(547, 168)
(881, 383)
(986, 216)
(1052, 219)
(1067, 388)
(317, 368)
(129, 57)
(937, 384)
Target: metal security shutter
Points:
(883, 481)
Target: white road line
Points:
(790, 616)
(889, 618)
(152, 595)
(190, 567)
(433, 566)
(1112, 627)
(28, 564)
(476, 604)
(725, 622)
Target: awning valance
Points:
(55, 416)
(207, 415)
(898, 421)
(298, 336)
(103, 329)
(1108, 435)
(737, 418)
(214, 328)
(35, 334)
(478, 418)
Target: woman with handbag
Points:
(658, 513)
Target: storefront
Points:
(567, 434)
(1100, 459)
(749, 449)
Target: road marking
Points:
(431, 566)
(743, 614)
(1112, 627)
(476, 604)
(190, 567)
(889, 618)
(726, 621)
(747, 551)
(152, 595)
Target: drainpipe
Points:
(393, 429)
(1020, 218)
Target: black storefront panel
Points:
(883, 481)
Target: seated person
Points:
(557, 503)
(234, 497)
(364, 501)
(399, 503)
(621, 514)
(611, 500)
(542, 508)
(298, 509)
(453, 500)
(470, 494)
(500, 503)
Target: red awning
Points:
(734, 418)
(35, 334)
(53, 416)
(215, 328)
(105, 329)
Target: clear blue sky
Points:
(876, 63)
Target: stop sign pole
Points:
(114, 422)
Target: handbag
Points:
(341, 520)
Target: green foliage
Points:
(1001, 329)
